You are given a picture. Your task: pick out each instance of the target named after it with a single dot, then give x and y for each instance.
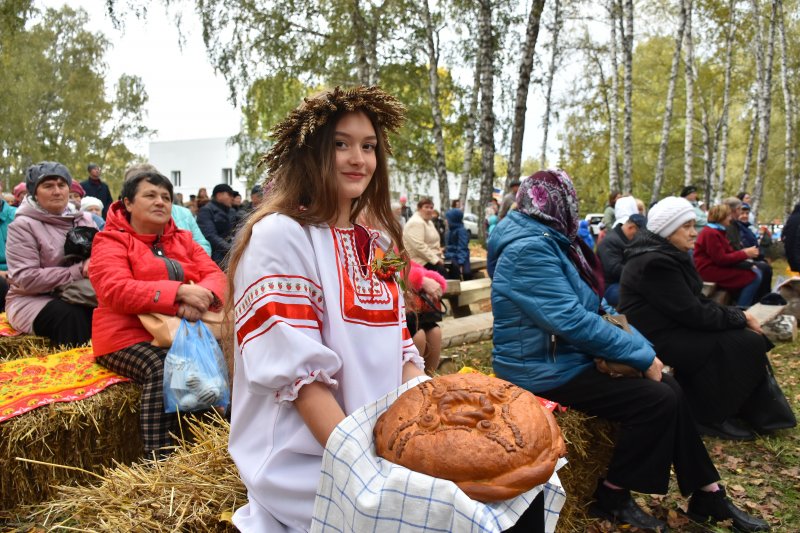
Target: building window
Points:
(176, 178)
(227, 176)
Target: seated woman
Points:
(142, 263)
(424, 325)
(548, 333)
(36, 262)
(421, 239)
(716, 260)
(718, 352)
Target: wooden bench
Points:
(460, 294)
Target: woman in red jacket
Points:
(716, 260)
(142, 263)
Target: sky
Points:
(187, 100)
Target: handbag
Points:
(612, 368)
(767, 408)
(163, 327)
(79, 292)
(426, 306)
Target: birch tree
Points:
(486, 51)
(551, 72)
(614, 13)
(722, 154)
(790, 150)
(523, 83)
(627, 135)
(469, 133)
(658, 181)
(765, 105)
(688, 139)
(751, 142)
(431, 38)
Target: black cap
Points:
(90, 166)
(515, 183)
(745, 206)
(257, 189)
(222, 187)
(639, 220)
(686, 191)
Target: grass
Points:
(762, 476)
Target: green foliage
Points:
(54, 105)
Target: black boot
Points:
(715, 506)
(616, 505)
(727, 430)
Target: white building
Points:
(194, 163)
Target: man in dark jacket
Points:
(791, 239)
(215, 220)
(612, 247)
(741, 236)
(96, 188)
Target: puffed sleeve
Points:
(279, 310)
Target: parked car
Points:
(594, 220)
(471, 224)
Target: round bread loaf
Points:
(492, 438)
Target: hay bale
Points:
(84, 436)
(23, 346)
(195, 489)
(590, 443)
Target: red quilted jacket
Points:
(715, 260)
(131, 279)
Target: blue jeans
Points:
(749, 291)
(612, 294)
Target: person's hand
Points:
(751, 252)
(195, 296)
(431, 287)
(189, 312)
(85, 268)
(654, 372)
(4, 274)
(752, 322)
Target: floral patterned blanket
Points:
(26, 384)
(5, 328)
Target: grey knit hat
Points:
(46, 169)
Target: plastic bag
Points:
(195, 373)
(78, 244)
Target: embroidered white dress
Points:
(305, 310)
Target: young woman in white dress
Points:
(317, 333)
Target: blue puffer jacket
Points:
(457, 240)
(547, 329)
(7, 214)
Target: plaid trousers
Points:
(144, 364)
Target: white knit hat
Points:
(669, 214)
(90, 201)
(624, 208)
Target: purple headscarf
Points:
(549, 197)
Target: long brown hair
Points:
(305, 188)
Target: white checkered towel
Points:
(362, 492)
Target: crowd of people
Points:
(307, 270)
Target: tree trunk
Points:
(436, 110)
(748, 155)
(719, 188)
(551, 72)
(360, 45)
(487, 108)
(523, 83)
(688, 140)
(709, 150)
(764, 115)
(658, 181)
(614, 13)
(469, 132)
(627, 135)
(790, 151)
